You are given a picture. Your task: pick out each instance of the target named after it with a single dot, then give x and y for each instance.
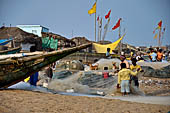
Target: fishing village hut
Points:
(80, 41)
(55, 41)
(21, 38)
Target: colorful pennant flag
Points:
(117, 24)
(155, 36)
(108, 14)
(93, 9)
(160, 24)
(98, 18)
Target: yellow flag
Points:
(155, 36)
(93, 9)
(103, 48)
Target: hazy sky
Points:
(70, 17)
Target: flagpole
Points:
(159, 40)
(120, 49)
(95, 23)
(98, 29)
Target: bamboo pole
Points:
(120, 44)
(95, 22)
(159, 40)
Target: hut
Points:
(20, 38)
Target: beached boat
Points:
(15, 69)
(10, 51)
(5, 41)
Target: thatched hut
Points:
(21, 38)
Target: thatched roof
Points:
(80, 40)
(20, 36)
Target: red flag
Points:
(98, 18)
(107, 16)
(160, 24)
(117, 24)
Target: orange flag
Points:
(107, 16)
(117, 24)
(93, 9)
(155, 36)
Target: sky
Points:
(70, 18)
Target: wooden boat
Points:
(10, 51)
(16, 69)
(5, 41)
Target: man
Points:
(134, 67)
(123, 79)
(123, 60)
(33, 78)
(159, 55)
(152, 55)
(108, 54)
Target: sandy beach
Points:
(20, 101)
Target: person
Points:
(123, 60)
(139, 56)
(49, 71)
(152, 55)
(134, 67)
(114, 65)
(108, 53)
(33, 78)
(159, 55)
(123, 79)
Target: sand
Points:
(20, 101)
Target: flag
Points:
(160, 24)
(155, 36)
(163, 31)
(98, 18)
(93, 9)
(107, 16)
(100, 23)
(117, 24)
(106, 29)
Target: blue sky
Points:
(67, 17)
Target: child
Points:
(134, 67)
(124, 77)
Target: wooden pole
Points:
(98, 29)
(95, 22)
(120, 44)
(95, 28)
(159, 40)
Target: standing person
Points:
(123, 79)
(123, 60)
(152, 55)
(159, 55)
(33, 78)
(134, 67)
(108, 53)
(49, 71)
